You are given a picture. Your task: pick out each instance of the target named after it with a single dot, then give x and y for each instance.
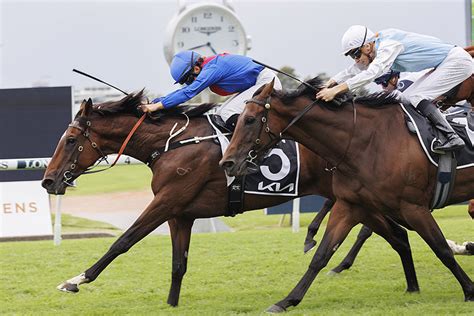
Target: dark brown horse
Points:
(379, 169)
(191, 172)
(465, 91)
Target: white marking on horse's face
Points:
(81, 278)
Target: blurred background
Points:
(122, 41)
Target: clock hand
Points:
(212, 48)
(199, 46)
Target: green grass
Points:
(232, 273)
(117, 179)
(72, 224)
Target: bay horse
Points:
(379, 169)
(190, 172)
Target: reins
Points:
(85, 132)
(252, 154)
(354, 121)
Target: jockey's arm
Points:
(384, 59)
(206, 78)
(386, 55)
(343, 75)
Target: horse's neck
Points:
(148, 137)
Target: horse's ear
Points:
(86, 107)
(268, 89)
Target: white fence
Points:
(42, 163)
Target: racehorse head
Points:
(263, 122)
(82, 144)
(258, 136)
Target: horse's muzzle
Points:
(53, 186)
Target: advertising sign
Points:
(24, 209)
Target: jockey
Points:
(224, 74)
(392, 49)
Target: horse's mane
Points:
(130, 105)
(305, 90)
(379, 99)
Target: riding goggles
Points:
(357, 52)
(188, 77)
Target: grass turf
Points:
(232, 273)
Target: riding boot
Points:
(453, 141)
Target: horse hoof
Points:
(274, 309)
(469, 298)
(308, 246)
(68, 287)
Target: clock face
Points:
(209, 30)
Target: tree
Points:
(287, 82)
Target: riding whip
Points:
(97, 79)
(286, 74)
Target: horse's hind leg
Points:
(424, 224)
(309, 242)
(346, 263)
(470, 209)
(151, 218)
(180, 238)
(341, 221)
(397, 237)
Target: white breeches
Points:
(236, 103)
(457, 67)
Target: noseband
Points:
(68, 174)
(253, 154)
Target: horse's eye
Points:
(249, 120)
(71, 141)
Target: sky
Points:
(122, 41)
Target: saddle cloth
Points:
(278, 174)
(462, 122)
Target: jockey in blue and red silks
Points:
(224, 74)
(377, 53)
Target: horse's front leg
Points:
(424, 224)
(348, 261)
(341, 221)
(309, 242)
(180, 237)
(153, 216)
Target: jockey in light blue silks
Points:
(391, 49)
(224, 74)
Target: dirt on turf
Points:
(107, 202)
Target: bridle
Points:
(68, 174)
(253, 154)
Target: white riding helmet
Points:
(354, 37)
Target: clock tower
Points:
(207, 28)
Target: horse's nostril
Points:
(46, 183)
(227, 164)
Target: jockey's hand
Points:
(152, 107)
(327, 94)
(330, 83)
